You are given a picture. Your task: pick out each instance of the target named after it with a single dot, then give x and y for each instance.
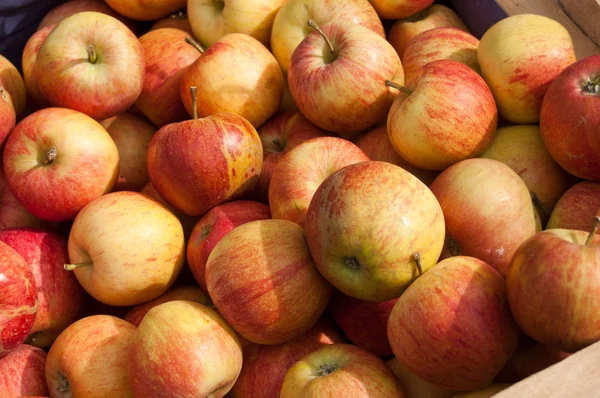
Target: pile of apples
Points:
(298, 198)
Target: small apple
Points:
(398, 9)
(178, 20)
(12, 81)
(12, 212)
(146, 10)
(35, 98)
(415, 387)
(577, 207)
(22, 372)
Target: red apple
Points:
(12, 212)
(570, 117)
(398, 9)
(146, 10)
(12, 81)
(35, 98)
(452, 327)
(415, 387)
(577, 207)
(57, 160)
(178, 20)
(22, 372)
(8, 117)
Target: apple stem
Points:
(398, 87)
(194, 102)
(417, 257)
(592, 234)
(91, 53)
(3, 94)
(593, 86)
(316, 27)
(50, 155)
(71, 267)
(194, 44)
(538, 203)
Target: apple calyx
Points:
(593, 231)
(71, 267)
(218, 4)
(352, 262)
(50, 156)
(92, 57)
(63, 384)
(398, 87)
(326, 370)
(194, 44)
(417, 258)
(194, 102)
(3, 94)
(279, 146)
(206, 230)
(316, 27)
(592, 86)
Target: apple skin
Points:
(35, 98)
(570, 117)
(452, 327)
(487, 210)
(8, 117)
(203, 352)
(449, 116)
(434, 16)
(301, 171)
(324, 86)
(146, 10)
(340, 367)
(12, 212)
(198, 164)
(577, 207)
(22, 372)
(392, 216)
(399, 9)
(85, 164)
(90, 359)
(60, 298)
(213, 226)
(263, 281)
(177, 20)
(167, 57)
(101, 86)
(133, 247)
(413, 386)
(236, 74)
(12, 81)
(548, 276)
(519, 57)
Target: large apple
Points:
(72, 7)
(398, 9)
(445, 114)
(126, 248)
(90, 359)
(301, 171)
(22, 372)
(8, 117)
(183, 348)
(35, 99)
(570, 117)
(452, 327)
(57, 160)
(577, 207)
(92, 63)
(340, 367)
(487, 209)
(290, 25)
(519, 57)
(263, 281)
(213, 226)
(415, 387)
(146, 10)
(12, 81)
(178, 20)
(12, 212)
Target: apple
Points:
(213, 226)
(519, 57)
(146, 10)
(12, 212)
(487, 210)
(363, 322)
(132, 135)
(57, 160)
(570, 116)
(236, 74)
(552, 286)
(263, 281)
(22, 372)
(340, 367)
(398, 9)
(413, 386)
(487, 392)
(434, 16)
(452, 327)
(167, 57)
(90, 359)
(183, 348)
(324, 70)
(60, 298)
(577, 207)
(445, 114)
(8, 117)
(290, 25)
(125, 248)
(301, 171)
(12, 81)
(35, 98)
(213, 19)
(92, 63)
(178, 20)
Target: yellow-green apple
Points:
(263, 281)
(519, 57)
(445, 114)
(440, 43)
(301, 171)
(324, 70)
(363, 322)
(487, 209)
(434, 16)
(290, 25)
(35, 99)
(214, 225)
(167, 56)
(377, 146)
(236, 74)
(487, 392)
(132, 135)
(413, 386)
(178, 20)
(255, 382)
(22, 372)
(452, 327)
(213, 19)
(90, 359)
(12, 81)
(12, 212)
(282, 133)
(340, 367)
(57, 160)
(125, 248)
(18, 302)
(60, 298)
(570, 117)
(203, 352)
(397, 230)
(92, 63)
(577, 207)
(398, 9)
(8, 117)
(146, 10)
(552, 287)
